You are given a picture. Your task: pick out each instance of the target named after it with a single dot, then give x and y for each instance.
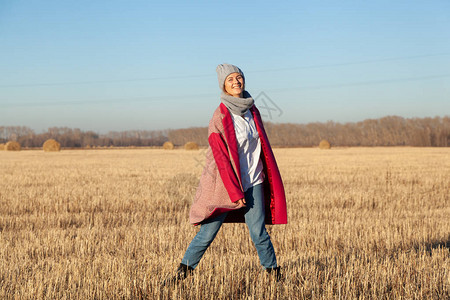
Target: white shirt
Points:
(249, 149)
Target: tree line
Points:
(77, 138)
(387, 131)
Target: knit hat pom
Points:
(224, 70)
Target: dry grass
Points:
(51, 145)
(2, 147)
(363, 223)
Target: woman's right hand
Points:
(240, 203)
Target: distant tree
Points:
(386, 131)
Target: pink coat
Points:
(220, 183)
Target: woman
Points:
(241, 181)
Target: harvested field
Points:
(111, 224)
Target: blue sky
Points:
(120, 65)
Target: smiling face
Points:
(234, 84)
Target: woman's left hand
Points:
(241, 203)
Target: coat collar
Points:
(259, 124)
(230, 135)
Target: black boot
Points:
(275, 272)
(182, 272)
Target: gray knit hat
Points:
(224, 70)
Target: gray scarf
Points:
(238, 106)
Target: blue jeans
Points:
(254, 218)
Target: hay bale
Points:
(12, 146)
(191, 146)
(324, 144)
(168, 146)
(2, 146)
(51, 145)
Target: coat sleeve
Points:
(223, 162)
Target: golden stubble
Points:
(111, 224)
